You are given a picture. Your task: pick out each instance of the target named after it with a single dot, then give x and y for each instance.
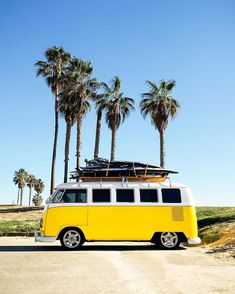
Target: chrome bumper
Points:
(38, 238)
(194, 241)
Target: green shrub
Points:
(15, 226)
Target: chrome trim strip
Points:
(118, 204)
(38, 238)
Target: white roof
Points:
(97, 184)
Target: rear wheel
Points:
(168, 240)
(72, 239)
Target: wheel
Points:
(168, 240)
(72, 239)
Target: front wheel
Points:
(72, 239)
(168, 240)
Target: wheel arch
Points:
(63, 230)
(156, 235)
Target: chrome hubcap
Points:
(72, 239)
(169, 239)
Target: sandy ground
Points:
(127, 267)
(27, 215)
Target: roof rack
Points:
(104, 170)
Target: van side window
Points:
(148, 195)
(171, 196)
(101, 195)
(125, 195)
(74, 196)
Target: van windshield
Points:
(58, 196)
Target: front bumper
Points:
(194, 241)
(39, 238)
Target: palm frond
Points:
(170, 85)
(153, 86)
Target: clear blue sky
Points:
(190, 41)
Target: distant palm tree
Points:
(117, 109)
(79, 88)
(159, 105)
(52, 70)
(39, 188)
(20, 179)
(30, 183)
(17, 182)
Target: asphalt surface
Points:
(127, 267)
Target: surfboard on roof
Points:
(103, 168)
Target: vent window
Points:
(74, 196)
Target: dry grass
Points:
(227, 235)
(20, 213)
(27, 215)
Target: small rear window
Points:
(171, 196)
(148, 195)
(125, 195)
(101, 195)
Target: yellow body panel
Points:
(121, 222)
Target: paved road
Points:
(26, 267)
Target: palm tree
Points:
(117, 109)
(52, 70)
(17, 182)
(30, 183)
(159, 105)
(101, 102)
(78, 88)
(39, 188)
(20, 179)
(66, 109)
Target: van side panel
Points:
(139, 222)
(121, 222)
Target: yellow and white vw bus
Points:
(159, 212)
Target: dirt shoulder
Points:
(224, 247)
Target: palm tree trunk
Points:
(97, 135)
(30, 193)
(18, 196)
(113, 144)
(21, 196)
(66, 151)
(162, 149)
(53, 165)
(79, 139)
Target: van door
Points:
(69, 210)
(74, 212)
